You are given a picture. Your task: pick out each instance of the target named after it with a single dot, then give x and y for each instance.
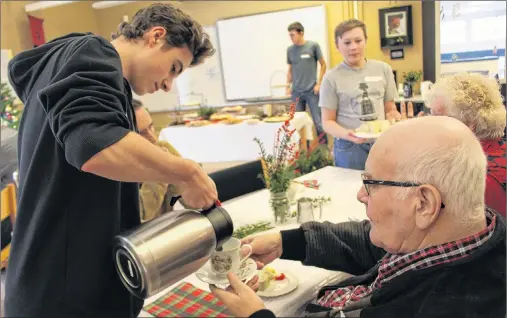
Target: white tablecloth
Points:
(227, 143)
(339, 184)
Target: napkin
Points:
(312, 184)
(186, 300)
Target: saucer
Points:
(280, 287)
(367, 135)
(247, 271)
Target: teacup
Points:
(229, 259)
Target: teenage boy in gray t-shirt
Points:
(346, 86)
(302, 58)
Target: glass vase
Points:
(280, 206)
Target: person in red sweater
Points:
(475, 100)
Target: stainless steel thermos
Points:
(163, 251)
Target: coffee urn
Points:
(165, 250)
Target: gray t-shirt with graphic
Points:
(303, 59)
(343, 88)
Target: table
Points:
(227, 143)
(339, 184)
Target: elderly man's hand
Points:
(240, 299)
(265, 247)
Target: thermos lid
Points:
(129, 267)
(221, 222)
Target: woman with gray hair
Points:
(476, 101)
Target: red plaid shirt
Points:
(392, 266)
(495, 179)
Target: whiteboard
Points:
(203, 82)
(253, 49)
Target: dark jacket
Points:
(76, 104)
(471, 287)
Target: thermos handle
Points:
(176, 198)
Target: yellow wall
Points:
(61, 20)
(15, 28)
(208, 12)
(81, 17)
(413, 54)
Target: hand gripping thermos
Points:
(163, 251)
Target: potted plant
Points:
(277, 175)
(205, 112)
(316, 157)
(410, 79)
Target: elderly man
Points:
(430, 247)
(476, 101)
(154, 197)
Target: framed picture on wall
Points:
(395, 26)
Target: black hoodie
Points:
(76, 104)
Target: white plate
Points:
(247, 271)
(280, 287)
(367, 135)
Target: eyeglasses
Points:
(405, 184)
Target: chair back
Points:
(239, 180)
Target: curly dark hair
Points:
(182, 30)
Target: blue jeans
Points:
(313, 103)
(350, 155)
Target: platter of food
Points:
(276, 119)
(219, 117)
(198, 123)
(372, 129)
(232, 121)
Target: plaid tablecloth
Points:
(186, 300)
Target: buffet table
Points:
(226, 143)
(341, 185)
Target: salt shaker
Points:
(305, 210)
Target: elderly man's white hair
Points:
(473, 99)
(443, 152)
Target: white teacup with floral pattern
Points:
(229, 258)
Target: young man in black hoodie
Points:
(430, 249)
(81, 158)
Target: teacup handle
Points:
(244, 258)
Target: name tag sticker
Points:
(373, 78)
(305, 56)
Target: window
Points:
(453, 32)
(488, 29)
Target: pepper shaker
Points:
(305, 210)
